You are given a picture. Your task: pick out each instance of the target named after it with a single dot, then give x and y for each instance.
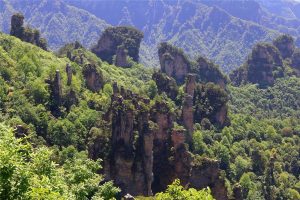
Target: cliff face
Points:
(93, 77)
(165, 84)
(209, 72)
(131, 158)
(263, 66)
(25, 33)
(147, 152)
(119, 41)
(173, 62)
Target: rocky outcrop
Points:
(127, 39)
(286, 45)
(263, 66)
(205, 172)
(131, 158)
(148, 149)
(295, 62)
(93, 77)
(187, 108)
(25, 33)
(69, 72)
(121, 57)
(173, 62)
(165, 84)
(210, 103)
(55, 87)
(209, 72)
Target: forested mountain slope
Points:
(58, 22)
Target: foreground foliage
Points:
(29, 172)
(176, 192)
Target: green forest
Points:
(73, 126)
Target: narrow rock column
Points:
(69, 74)
(187, 109)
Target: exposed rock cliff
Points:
(122, 38)
(209, 72)
(165, 84)
(263, 66)
(25, 33)
(285, 44)
(173, 62)
(93, 77)
(147, 151)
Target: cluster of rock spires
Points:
(267, 62)
(149, 144)
(148, 150)
(25, 33)
(117, 44)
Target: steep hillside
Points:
(58, 22)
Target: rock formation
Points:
(263, 66)
(210, 102)
(131, 158)
(55, 86)
(69, 72)
(173, 62)
(205, 172)
(209, 72)
(187, 108)
(147, 151)
(121, 57)
(122, 38)
(25, 33)
(93, 77)
(165, 84)
(295, 62)
(285, 44)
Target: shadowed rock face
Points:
(285, 44)
(165, 84)
(295, 62)
(209, 72)
(130, 162)
(25, 33)
(173, 62)
(114, 38)
(147, 152)
(121, 57)
(263, 66)
(55, 87)
(93, 77)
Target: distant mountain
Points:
(191, 25)
(223, 31)
(59, 22)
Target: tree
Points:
(176, 192)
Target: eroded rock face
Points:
(206, 173)
(112, 38)
(131, 159)
(295, 62)
(93, 77)
(165, 84)
(25, 33)
(265, 60)
(285, 44)
(121, 57)
(69, 74)
(173, 62)
(263, 66)
(148, 152)
(210, 102)
(56, 96)
(209, 72)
